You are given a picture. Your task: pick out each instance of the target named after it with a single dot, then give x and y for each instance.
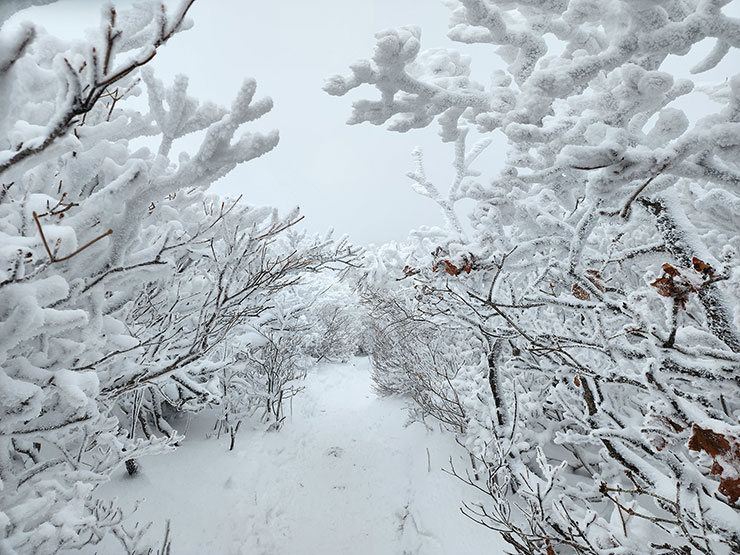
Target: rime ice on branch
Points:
(584, 339)
(119, 274)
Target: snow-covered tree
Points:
(96, 238)
(228, 268)
(597, 280)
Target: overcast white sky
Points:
(350, 178)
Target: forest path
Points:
(345, 474)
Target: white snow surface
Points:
(347, 473)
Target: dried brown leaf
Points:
(580, 293)
(702, 267)
(713, 443)
(726, 455)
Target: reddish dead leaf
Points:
(726, 458)
(549, 549)
(702, 267)
(580, 293)
(465, 265)
(678, 283)
(711, 442)
(664, 286)
(670, 270)
(447, 266)
(716, 468)
(675, 425)
(408, 271)
(577, 381)
(730, 487)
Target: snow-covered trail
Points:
(346, 474)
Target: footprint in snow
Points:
(335, 451)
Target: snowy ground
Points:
(346, 474)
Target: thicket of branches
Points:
(580, 333)
(313, 319)
(122, 281)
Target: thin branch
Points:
(67, 257)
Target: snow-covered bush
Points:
(332, 315)
(276, 364)
(312, 318)
(413, 353)
(597, 279)
(229, 275)
(92, 233)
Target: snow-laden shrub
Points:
(315, 318)
(433, 362)
(331, 315)
(115, 276)
(597, 279)
(236, 273)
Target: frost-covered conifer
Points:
(597, 282)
